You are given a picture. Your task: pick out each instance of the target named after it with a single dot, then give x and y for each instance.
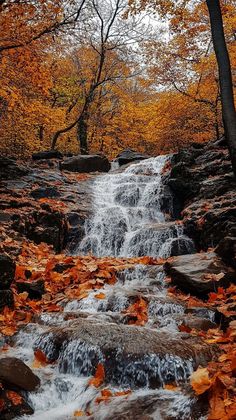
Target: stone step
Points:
(132, 356)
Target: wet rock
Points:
(132, 356)
(7, 271)
(158, 238)
(76, 228)
(47, 154)
(196, 323)
(202, 312)
(35, 289)
(9, 410)
(16, 373)
(6, 299)
(43, 226)
(227, 250)
(206, 198)
(181, 246)
(199, 274)
(151, 405)
(86, 163)
(130, 155)
(47, 192)
(9, 168)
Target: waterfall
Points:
(129, 219)
(132, 216)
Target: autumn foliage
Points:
(45, 80)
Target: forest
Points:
(117, 209)
(113, 75)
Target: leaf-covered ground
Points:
(67, 278)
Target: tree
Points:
(109, 36)
(225, 76)
(189, 30)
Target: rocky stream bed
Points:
(107, 277)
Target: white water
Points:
(128, 221)
(128, 217)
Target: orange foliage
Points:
(99, 376)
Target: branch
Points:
(205, 101)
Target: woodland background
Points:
(138, 80)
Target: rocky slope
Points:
(77, 330)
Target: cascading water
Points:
(128, 216)
(128, 220)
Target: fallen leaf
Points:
(15, 398)
(200, 380)
(99, 376)
(79, 413)
(100, 296)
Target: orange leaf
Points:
(100, 296)
(184, 328)
(171, 387)
(122, 393)
(79, 413)
(15, 398)
(9, 331)
(200, 380)
(99, 376)
(40, 359)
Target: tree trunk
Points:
(225, 77)
(83, 134)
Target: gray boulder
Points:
(199, 274)
(86, 163)
(130, 155)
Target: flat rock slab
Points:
(16, 373)
(199, 274)
(132, 356)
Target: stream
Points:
(132, 217)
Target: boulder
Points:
(6, 299)
(132, 356)
(14, 372)
(130, 155)
(86, 163)
(199, 274)
(47, 154)
(227, 250)
(35, 289)
(7, 271)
